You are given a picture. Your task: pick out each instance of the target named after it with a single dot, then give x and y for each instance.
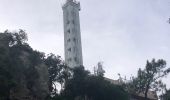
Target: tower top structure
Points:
(74, 3)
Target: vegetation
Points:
(18, 64)
(149, 78)
(166, 96)
(84, 86)
(29, 74)
(26, 73)
(58, 72)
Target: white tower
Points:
(72, 35)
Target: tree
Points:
(84, 86)
(20, 68)
(9, 60)
(150, 77)
(58, 72)
(166, 96)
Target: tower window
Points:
(74, 39)
(68, 40)
(68, 30)
(69, 49)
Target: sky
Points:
(123, 34)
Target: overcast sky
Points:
(121, 33)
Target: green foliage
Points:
(9, 60)
(17, 62)
(84, 86)
(19, 65)
(150, 77)
(166, 96)
(58, 72)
